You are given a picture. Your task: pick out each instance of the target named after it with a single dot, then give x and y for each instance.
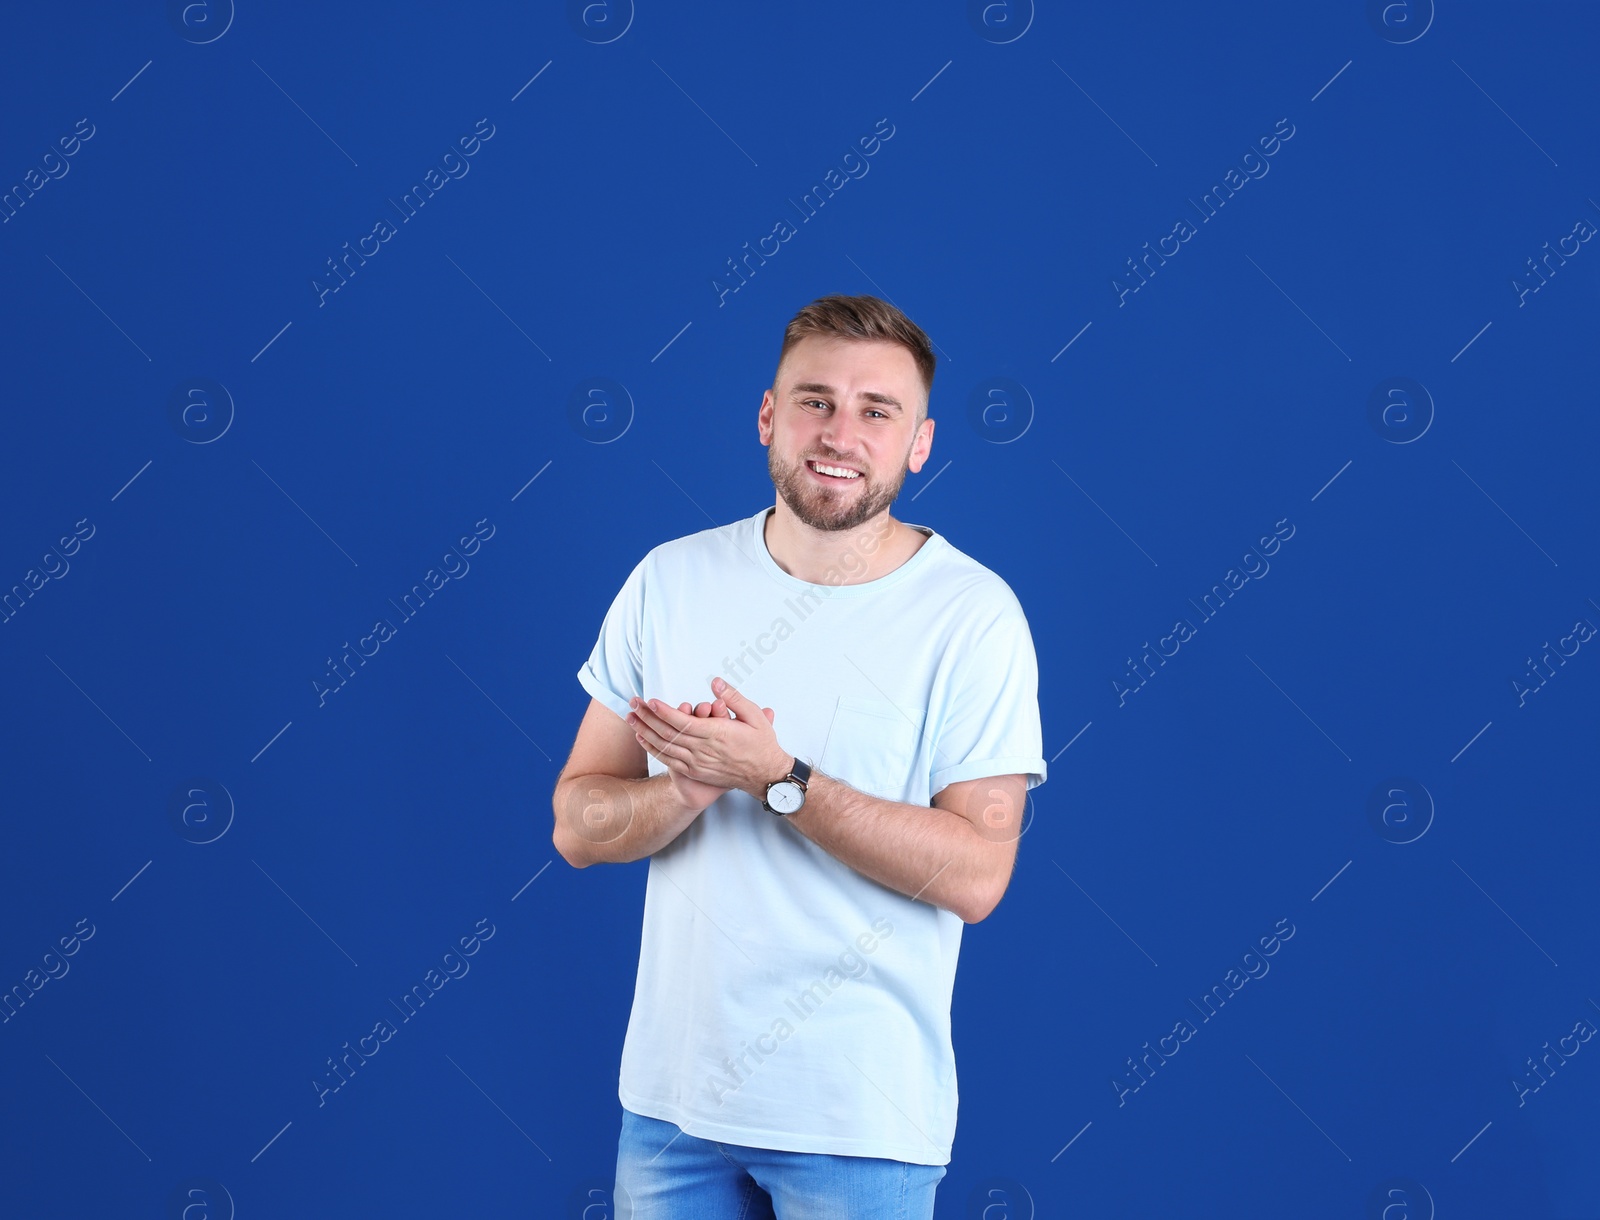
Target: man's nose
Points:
(840, 433)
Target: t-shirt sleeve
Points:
(614, 672)
(992, 726)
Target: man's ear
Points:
(921, 447)
(764, 418)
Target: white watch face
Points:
(785, 796)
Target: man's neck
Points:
(868, 552)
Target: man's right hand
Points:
(693, 793)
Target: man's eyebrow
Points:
(816, 387)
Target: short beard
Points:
(813, 504)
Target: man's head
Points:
(851, 391)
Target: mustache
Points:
(832, 461)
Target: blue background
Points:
(1166, 431)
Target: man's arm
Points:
(606, 811)
(957, 854)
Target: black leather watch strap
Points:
(798, 775)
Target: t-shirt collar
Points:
(758, 525)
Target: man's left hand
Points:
(740, 752)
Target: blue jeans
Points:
(665, 1174)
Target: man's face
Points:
(849, 404)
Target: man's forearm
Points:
(921, 851)
(924, 852)
(601, 819)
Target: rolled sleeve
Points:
(614, 672)
(993, 727)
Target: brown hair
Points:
(864, 317)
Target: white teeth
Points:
(837, 471)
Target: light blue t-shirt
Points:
(783, 999)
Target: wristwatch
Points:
(788, 794)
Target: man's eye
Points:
(818, 401)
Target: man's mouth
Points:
(831, 473)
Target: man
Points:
(812, 862)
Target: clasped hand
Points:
(706, 751)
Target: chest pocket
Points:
(874, 745)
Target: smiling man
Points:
(819, 835)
